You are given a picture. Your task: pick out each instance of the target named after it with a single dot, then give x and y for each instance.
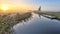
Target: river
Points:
(37, 24)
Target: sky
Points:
(47, 5)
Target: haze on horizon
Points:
(47, 5)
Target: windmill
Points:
(39, 9)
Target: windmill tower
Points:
(39, 8)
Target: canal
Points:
(37, 24)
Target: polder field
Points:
(56, 14)
(7, 21)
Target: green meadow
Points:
(56, 14)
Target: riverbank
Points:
(51, 15)
(9, 20)
(56, 14)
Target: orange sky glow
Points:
(15, 7)
(11, 7)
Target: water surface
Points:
(37, 24)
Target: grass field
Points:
(9, 20)
(56, 14)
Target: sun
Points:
(4, 8)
